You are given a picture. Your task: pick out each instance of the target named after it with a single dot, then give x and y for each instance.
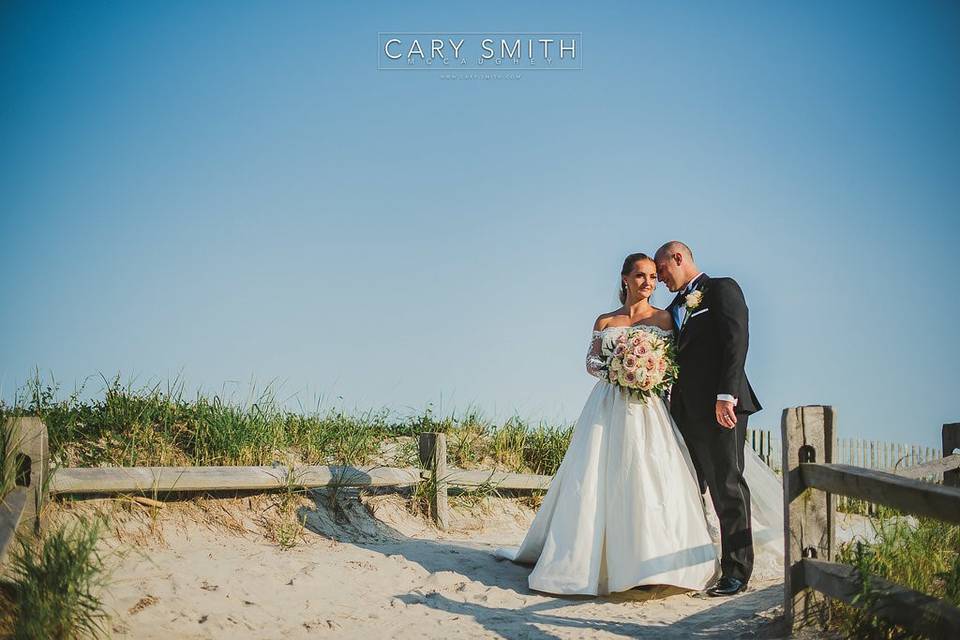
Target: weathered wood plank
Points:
(908, 495)
(500, 479)
(930, 468)
(11, 514)
(809, 525)
(162, 479)
(916, 611)
(149, 480)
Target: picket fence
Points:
(869, 454)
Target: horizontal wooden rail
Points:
(931, 468)
(500, 479)
(907, 495)
(810, 576)
(79, 480)
(916, 611)
(163, 479)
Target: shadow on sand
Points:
(344, 518)
(729, 618)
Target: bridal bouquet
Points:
(641, 362)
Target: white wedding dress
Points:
(624, 508)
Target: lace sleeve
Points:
(596, 364)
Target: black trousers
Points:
(718, 458)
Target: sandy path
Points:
(371, 569)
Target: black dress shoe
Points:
(727, 586)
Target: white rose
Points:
(694, 298)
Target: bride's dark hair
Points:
(628, 263)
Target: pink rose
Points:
(630, 377)
(650, 364)
(630, 363)
(619, 350)
(640, 350)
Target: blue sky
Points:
(234, 192)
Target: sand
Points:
(366, 566)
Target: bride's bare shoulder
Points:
(603, 320)
(662, 319)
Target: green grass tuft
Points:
(921, 554)
(55, 585)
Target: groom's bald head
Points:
(675, 246)
(675, 265)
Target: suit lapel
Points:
(700, 285)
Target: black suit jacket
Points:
(712, 351)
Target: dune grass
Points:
(919, 553)
(147, 425)
(54, 588)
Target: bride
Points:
(624, 508)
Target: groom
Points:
(712, 399)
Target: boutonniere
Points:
(691, 302)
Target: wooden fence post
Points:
(433, 456)
(951, 440)
(29, 450)
(808, 515)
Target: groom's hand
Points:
(726, 417)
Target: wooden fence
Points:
(761, 441)
(811, 482)
(153, 481)
(885, 456)
(21, 509)
(893, 457)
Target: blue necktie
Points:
(677, 311)
(680, 308)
